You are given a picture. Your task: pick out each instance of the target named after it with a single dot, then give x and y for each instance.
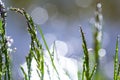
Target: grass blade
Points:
(93, 71)
(45, 43)
(116, 59)
(25, 75)
(86, 56)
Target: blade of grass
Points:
(83, 72)
(24, 73)
(93, 71)
(118, 71)
(45, 43)
(116, 59)
(4, 54)
(86, 56)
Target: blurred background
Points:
(60, 20)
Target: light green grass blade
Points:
(45, 43)
(93, 71)
(24, 73)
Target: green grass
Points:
(5, 68)
(116, 61)
(37, 53)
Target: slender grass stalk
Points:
(116, 60)
(86, 56)
(98, 31)
(28, 61)
(83, 72)
(78, 75)
(25, 75)
(93, 71)
(52, 58)
(86, 67)
(4, 54)
(118, 70)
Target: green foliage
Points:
(86, 68)
(5, 69)
(116, 62)
(36, 51)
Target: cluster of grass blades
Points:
(36, 51)
(86, 68)
(5, 68)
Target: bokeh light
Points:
(102, 52)
(40, 15)
(61, 47)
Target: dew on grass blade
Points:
(39, 15)
(91, 51)
(102, 52)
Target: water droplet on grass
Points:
(102, 52)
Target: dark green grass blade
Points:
(83, 72)
(116, 59)
(86, 56)
(118, 71)
(25, 75)
(4, 54)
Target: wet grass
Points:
(37, 53)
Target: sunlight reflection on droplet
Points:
(91, 51)
(61, 47)
(83, 3)
(39, 15)
(102, 52)
(99, 37)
